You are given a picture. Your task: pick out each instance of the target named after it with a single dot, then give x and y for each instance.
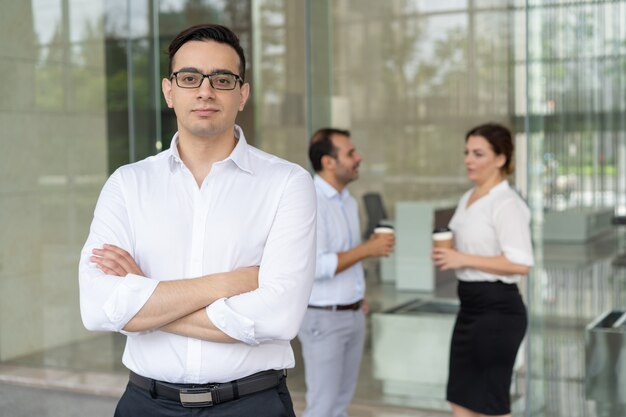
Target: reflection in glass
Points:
(444, 72)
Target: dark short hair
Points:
(207, 32)
(501, 141)
(322, 144)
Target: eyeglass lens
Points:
(218, 81)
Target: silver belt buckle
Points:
(196, 397)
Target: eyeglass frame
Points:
(237, 78)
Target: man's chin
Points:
(205, 131)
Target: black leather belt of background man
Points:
(353, 306)
(205, 395)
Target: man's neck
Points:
(330, 179)
(199, 154)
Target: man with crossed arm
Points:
(204, 254)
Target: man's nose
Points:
(206, 89)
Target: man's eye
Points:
(222, 80)
(188, 78)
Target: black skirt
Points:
(488, 331)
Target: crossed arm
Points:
(250, 305)
(178, 306)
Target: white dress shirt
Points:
(252, 209)
(337, 231)
(496, 224)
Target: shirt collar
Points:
(328, 190)
(502, 185)
(240, 154)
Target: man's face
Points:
(346, 167)
(205, 112)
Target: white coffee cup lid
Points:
(383, 229)
(443, 236)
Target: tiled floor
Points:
(576, 283)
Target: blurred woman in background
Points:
(492, 253)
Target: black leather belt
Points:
(206, 395)
(353, 306)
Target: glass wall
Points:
(575, 125)
(576, 104)
(408, 77)
(52, 166)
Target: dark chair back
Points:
(375, 210)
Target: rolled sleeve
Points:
(326, 259)
(230, 322)
(326, 265)
(108, 302)
(274, 311)
(518, 257)
(512, 222)
(126, 299)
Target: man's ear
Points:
(328, 162)
(166, 87)
(244, 94)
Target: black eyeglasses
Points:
(218, 80)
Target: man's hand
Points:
(380, 244)
(365, 306)
(115, 261)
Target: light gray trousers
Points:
(332, 347)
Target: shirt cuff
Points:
(128, 297)
(326, 267)
(518, 257)
(230, 322)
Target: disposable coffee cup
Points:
(384, 228)
(443, 238)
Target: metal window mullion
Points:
(132, 157)
(156, 67)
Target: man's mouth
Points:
(205, 111)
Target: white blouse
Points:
(495, 224)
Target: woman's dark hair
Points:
(322, 144)
(501, 141)
(217, 33)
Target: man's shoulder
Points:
(145, 165)
(264, 162)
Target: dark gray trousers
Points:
(275, 402)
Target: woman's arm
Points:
(445, 259)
